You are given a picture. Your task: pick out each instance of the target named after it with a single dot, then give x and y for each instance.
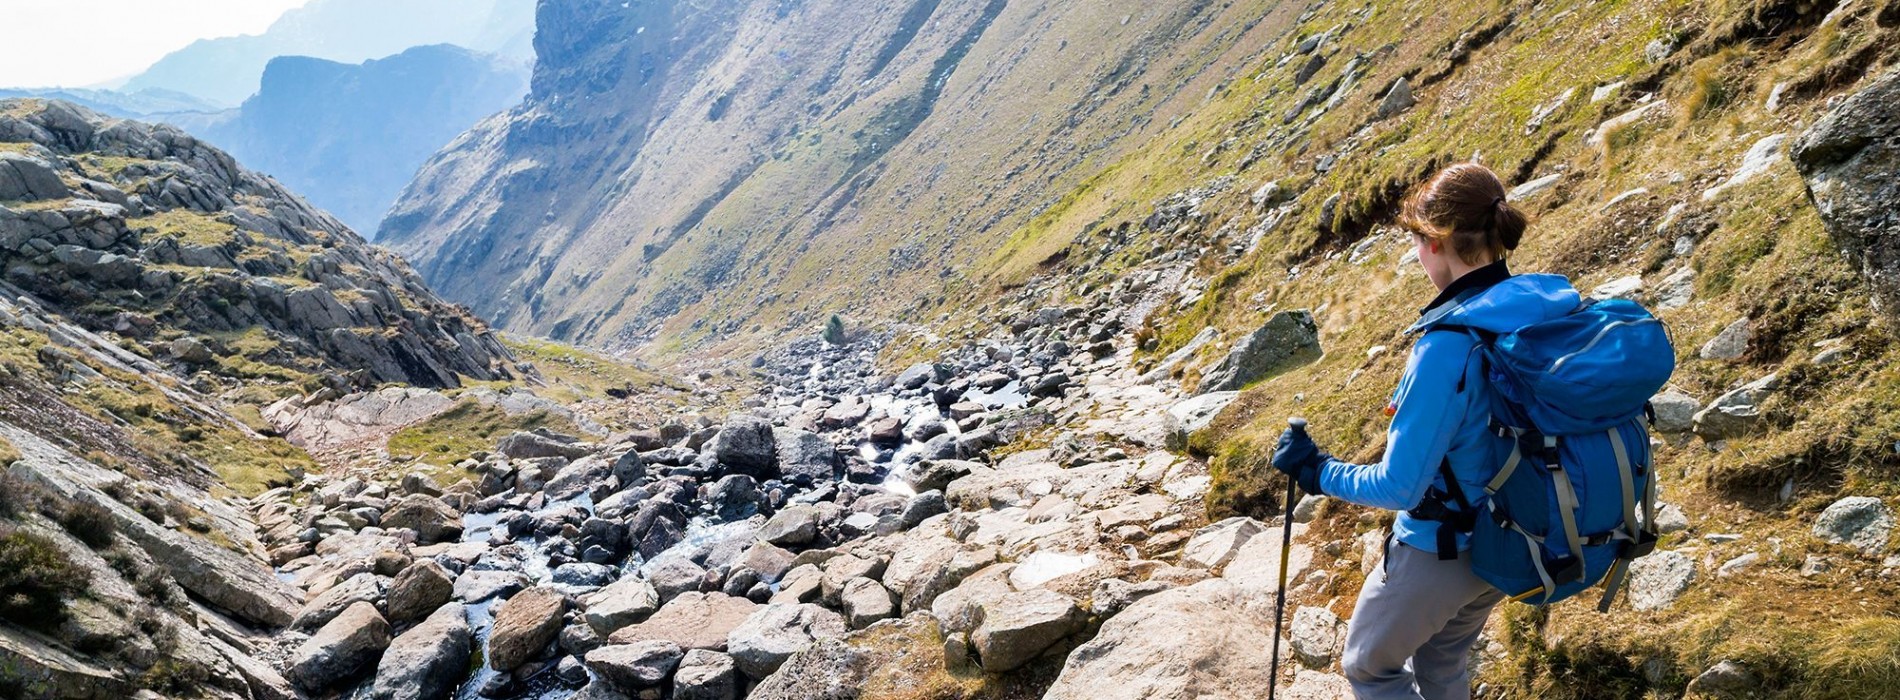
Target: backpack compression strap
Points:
(1567, 504)
(1641, 539)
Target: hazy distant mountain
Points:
(226, 70)
(348, 137)
(120, 104)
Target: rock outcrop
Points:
(1851, 159)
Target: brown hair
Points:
(1465, 205)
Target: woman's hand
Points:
(1300, 459)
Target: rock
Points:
(805, 457)
(1727, 679)
(1316, 636)
(1657, 580)
(916, 376)
(522, 445)
(1670, 519)
(1737, 565)
(693, 621)
(1184, 418)
(345, 648)
(1759, 158)
(419, 590)
(1314, 685)
(791, 527)
(1398, 99)
(1677, 290)
(866, 601)
(770, 635)
(433, 520)
(1183, 644)
(1619, 288)
(625, 602)
(582, 577)
(1675, 411)
(24, 178)
(1652, 109)
(1021, 626)
(769, 562)
(361, 588)
(524, 625)
(428, 661)
(674, 575)
(1850, 158)
(736, 497)
(1736, 413)
(936, 474)
(924, 506)
(1861, 522)
(705, 675)
(1307, 509)
(1729, 344)
(637, 665)
(1530, 188)
(1287, 340)
(745, 445)
(1213, 546)
(1659, 50)
(477, 586)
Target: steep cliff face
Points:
(688, 174)
(350, 136)
(148, 233)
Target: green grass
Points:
(187, 227)
(469, 427)
(575, 374)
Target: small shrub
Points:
(35, 580)
(91, 523)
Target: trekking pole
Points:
(1298, 425)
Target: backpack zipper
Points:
(1554, 366)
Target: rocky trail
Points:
(845, 531)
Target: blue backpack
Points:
(1569, 405)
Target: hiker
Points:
(1419, 614)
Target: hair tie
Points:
(1497, 201)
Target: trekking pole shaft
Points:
(1286, 552)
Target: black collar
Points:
(1474, 281)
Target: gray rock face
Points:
(1729, 344)
(477, 586)
(745, 445)
(774, 632)
(705, 675)
(419, 590)
(1184, 644)
(361, 588)
(1736, 413)
(625, 602)
(433, 520)
(1675, 411)
(522, 445)
(693, 621)
(1317, 636)
(1021, 626)
(1215, 545)
(25, 178)
(866, 601)
(1287, 340)
(344, 649)
(524, 625)
(1397, 99)
(673, 575)
(1657, 580)
(1862, 522)
(791, 527)
(643, 664)
(804, 456)
(1184, 418)
(1725, 680)
(429, 660)
(1851, 160)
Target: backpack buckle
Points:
(1642, 546)
(1564, 568)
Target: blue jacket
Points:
(1436, 417)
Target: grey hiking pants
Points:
(1411, 634)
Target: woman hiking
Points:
(1419, 614)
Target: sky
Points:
(81, 43)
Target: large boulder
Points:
(26, 178)
(343, 650)
(419, 590)
(1851, 160)
(1317, 636)
(634, 666)
(1286, 341)
(524, 625)
(705, 675)
(745, 445)
(1183, 644)
(361, 588)
(1021, 626)
(428, 661)
(523, 445)
(792, 527)
(433, 520)
(774, 632)
(1213, 546)
(805, 457)
(1659, 579)
(865, 601)
(693, 621)
(625, 602)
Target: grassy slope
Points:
(1760, 252)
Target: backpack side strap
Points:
(1641, 538)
